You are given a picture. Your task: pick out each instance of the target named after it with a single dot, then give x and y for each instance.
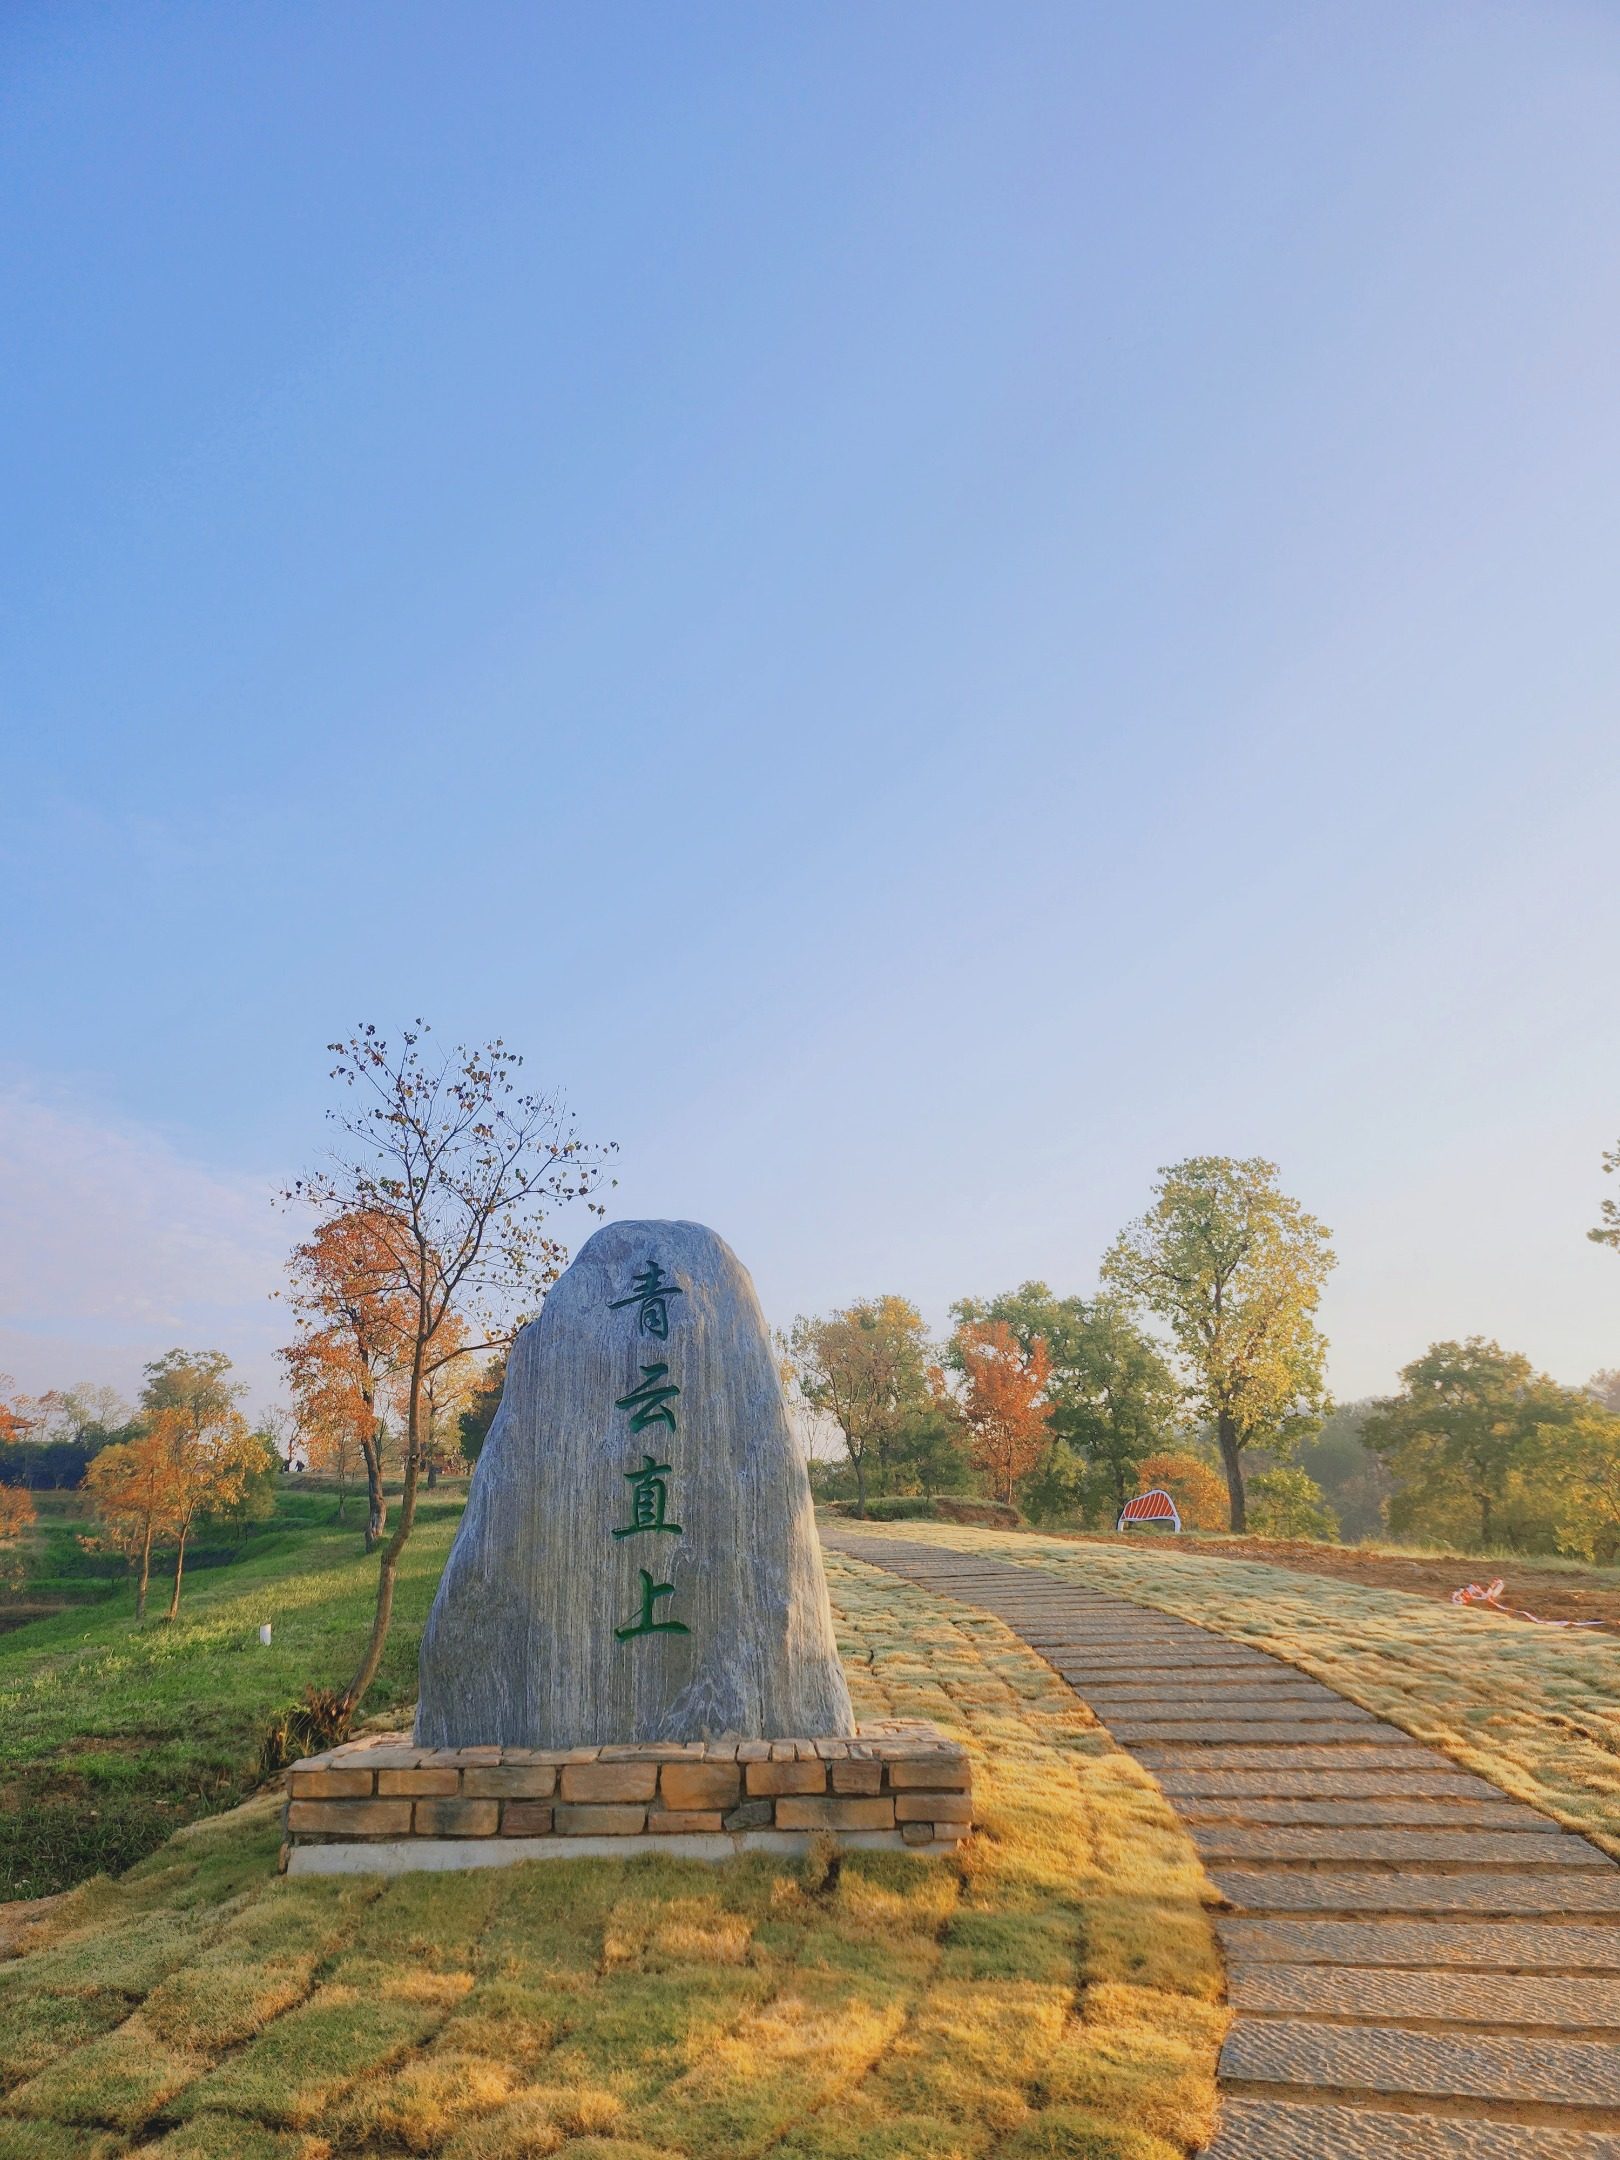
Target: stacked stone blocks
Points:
(896, 1782)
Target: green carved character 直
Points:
(649, 1499)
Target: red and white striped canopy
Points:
(1155, 1506)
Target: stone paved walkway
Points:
(1418, 1965)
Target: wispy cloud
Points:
(116, 1246)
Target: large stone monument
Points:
(632, 1648)
(638, 1561)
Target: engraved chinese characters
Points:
(639, 1558)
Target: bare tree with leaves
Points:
(457, 1172)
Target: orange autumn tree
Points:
(356, 1318)
(449, 1382)
(453, 1171)
(1006, 1403)
(336, 1412)
(132, 1494)
(1196, 1488)
(17, 1417)
(208, 1460)
(18, 1515)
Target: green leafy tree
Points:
(1472, 1433)
(868, 1367)
(928, 1451)
(192, 1381)
(1112, 1394)
(1588, 1468)
(1288, 1503)
(1235, 1269)
(1353, 1479)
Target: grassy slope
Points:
(112, 1734)
(1050, 1995)
(1533, 1709)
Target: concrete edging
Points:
(405, 1856)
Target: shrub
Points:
(319, 1721)
(1288, 1503)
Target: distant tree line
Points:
(1199, 1367)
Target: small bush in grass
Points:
(320, 1721)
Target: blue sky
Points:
(930, 606)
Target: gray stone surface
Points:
(525, 1645)
(1552, 1891)
(1514, 1946)
(1377, 1842)
(1395, 2059)
(1386, 1996)
(1277, 2130)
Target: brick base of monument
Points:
(380, 1805)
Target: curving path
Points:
(1418, 1965)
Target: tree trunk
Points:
(860, 1484)
(388, 1566)
(1232, 1463)
(1484, 1500)
(146, 1572)
(179, 1570)
(376, 1500)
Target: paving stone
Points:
(609, 1781)
(1382, 1778)
(1381, 1748)
(702, 1787)
(1257, 1729)
(1146, 1699)
(1393, 2059)
(1460, 1848)
(1137, 1662)
(1506, 1815)
(1254, 1707)
(1384, 1996)
(1279, 2130)
(1545, 1890)
(1514, 1946)
(1320, 1708)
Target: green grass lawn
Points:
(1052, 1992)
(1536, 1710)
(112, 1734)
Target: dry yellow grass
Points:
(1051, 1994)
(1534, 1709)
